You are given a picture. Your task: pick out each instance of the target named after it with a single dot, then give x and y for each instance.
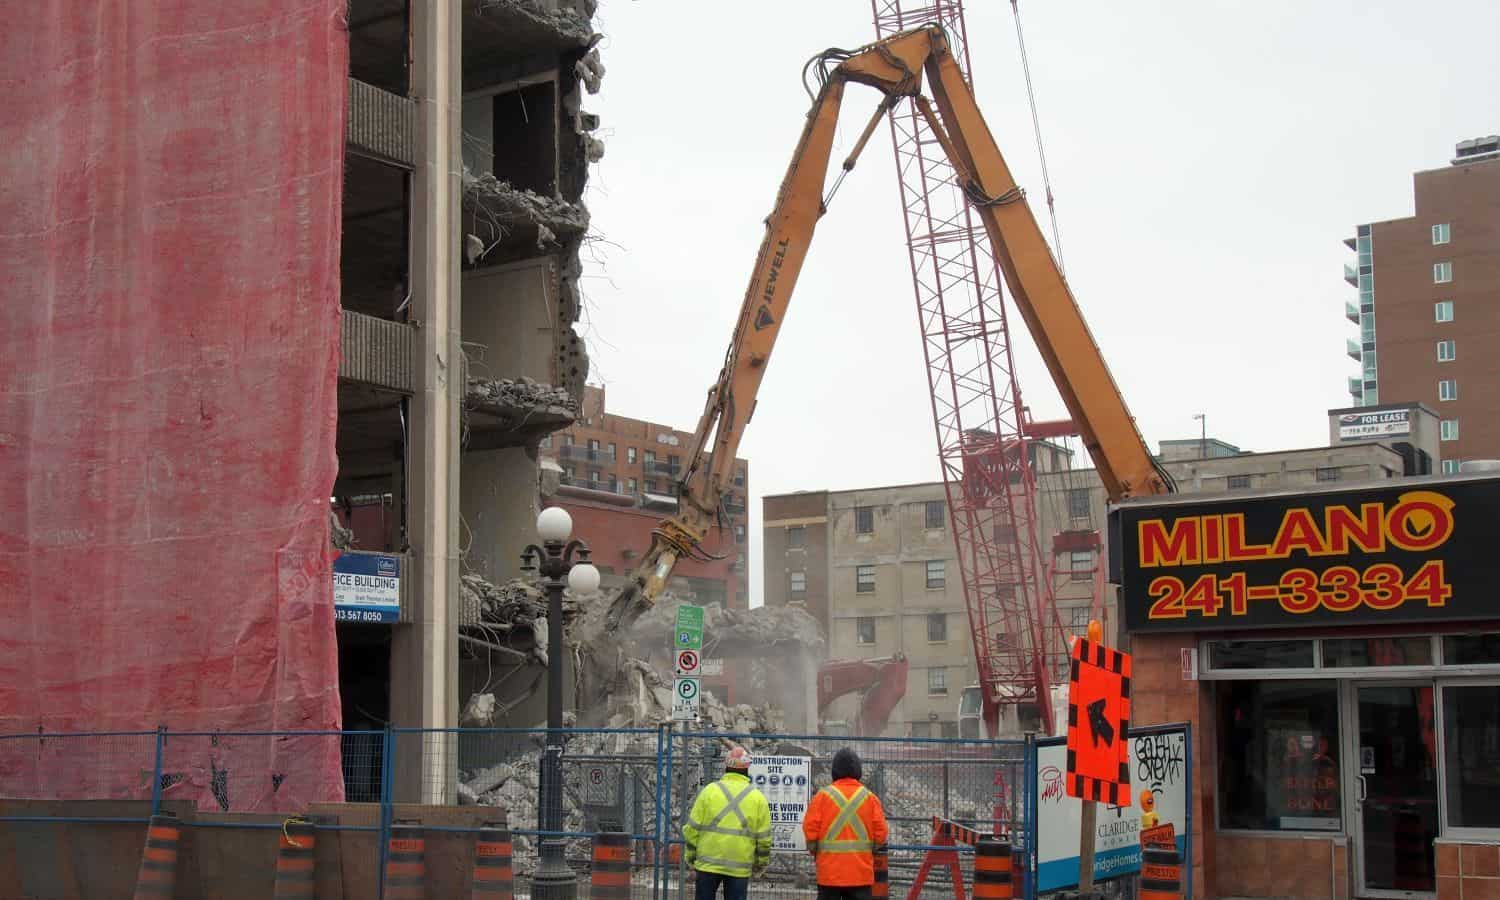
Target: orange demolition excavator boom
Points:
(896, 67)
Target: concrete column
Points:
(424, 652)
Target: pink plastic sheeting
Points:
(169, 231)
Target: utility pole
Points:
(1202, 435)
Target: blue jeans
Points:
(708, 886)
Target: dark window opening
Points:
(1279, 755)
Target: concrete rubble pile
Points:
(503, 396)
(566, 25)
(510, 207)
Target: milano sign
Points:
(1415, 551)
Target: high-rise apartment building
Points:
(1429, 303)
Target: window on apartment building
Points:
(799, 582)
(594, 476)
(864, 579)
(1279, 755)
(614, 483)
(612, 450)
(864, 629)
(1080, 565)
(631, 485)
(937, 573)
(1078, 619)
(796, 536)
(937, 627)
(1079, 505)
(1442, 272)
(1448, 389)
(570, 472)
(594, 444)
(1449, 430)
(739, 534)
(567, 440)
(936, 514)
(630, 455)
(1238, 482)
(864, 520)
(739, 479)
(1447, 351)
(922, 729)
(950, 729)
(1451, 466)
(937, 680)
(1327, 473)
(650, 457)
(651, 486)
(1442, 311)
(1440, 234)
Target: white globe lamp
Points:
(554, 524)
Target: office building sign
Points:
(1382, 555)
(1357, 426)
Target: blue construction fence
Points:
(640, 781)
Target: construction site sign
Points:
(688, 635)
(1098, 719)
(685, 699)
(1158, 762)
(786, 782)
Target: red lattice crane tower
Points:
(976, 402)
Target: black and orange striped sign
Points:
(1098, 722)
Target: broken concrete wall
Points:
(499, 506)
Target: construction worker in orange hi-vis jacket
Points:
(844, 826)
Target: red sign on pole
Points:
(1098, 722)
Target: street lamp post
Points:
(554, 559)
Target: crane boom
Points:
(895, 66)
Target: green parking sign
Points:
(688, 635)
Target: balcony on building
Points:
(1351, 312)
(657, 468)
(1352, 348)
(1351, 274)
(592, 454)
(651, 500)
(1356, 388)
(598, 491)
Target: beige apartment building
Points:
(878, 566)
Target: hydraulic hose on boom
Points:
(896, 67)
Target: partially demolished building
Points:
(468, 145)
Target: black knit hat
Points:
(846, 765)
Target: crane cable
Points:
(1036, 125)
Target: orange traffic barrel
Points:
(992, 872)
(296, 860)
(158, 873)
(1161, 874)
(882, 887)
(406, 863)
(494, 876)
(610, 879)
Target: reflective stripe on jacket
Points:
(728, 831)
(843, 826)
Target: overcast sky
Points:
(1207, 157)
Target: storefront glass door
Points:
(1394, 788)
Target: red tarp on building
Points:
(170, 192)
